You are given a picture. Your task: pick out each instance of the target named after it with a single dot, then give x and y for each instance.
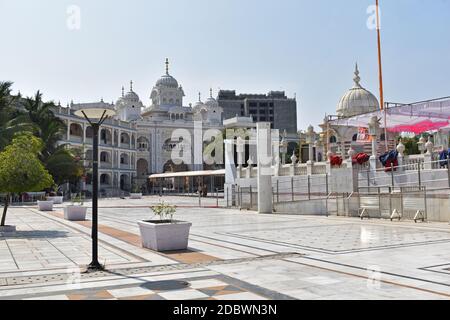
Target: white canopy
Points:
(206, 173)
(431, 115)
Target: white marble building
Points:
(340, 139)
(142, 140)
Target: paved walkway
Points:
(232, 255)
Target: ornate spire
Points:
(210, 92)
(167, 66)
(123, 91)
(357, 79)
(131, 86)
(199, 97)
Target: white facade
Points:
(143, 140)
(340, 139)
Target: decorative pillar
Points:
(318, 146)
(68, 130)
(293, 164)
(351, 153)
(240, 148)
(401, 155)
(283, 147)
(373, 132)
(230, 169)
(421, 145)
(428, 157)
(264, 155)
(329, 155)
(310, 137)
(249, 169)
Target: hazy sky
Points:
(305, 47)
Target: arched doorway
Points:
(125, 182)
(142, 169)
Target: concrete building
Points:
(274, 107)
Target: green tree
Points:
(58, 159)
(65, 165)
(8, 115)
(46, 126)
(411, 146)
(20, 168)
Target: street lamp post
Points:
(95, 115)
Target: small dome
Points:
(131, 96)
(357, 100)
(211, 101)
(199, 104)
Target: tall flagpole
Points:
(380, 72)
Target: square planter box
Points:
(45, 205)
(164, 236)
(75, 213)
(56, 199)
(135, 195)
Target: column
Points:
(401, 156)
(230, 169)
(310, 139)
(293, 164)
(264, 150)
(428, 157)
(373, 132)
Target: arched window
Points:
(76, 130)
(89, 132)
(104, 157)
(124, 158)
(105, 179)
(333, 139)
(355, 137)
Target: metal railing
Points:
(433, 175)
(393, 203)
(299, 188)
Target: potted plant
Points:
(165, 233)
(76, 211)
(55, 196)
(135, 192)
(45, 205)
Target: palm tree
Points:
(7, 128)
(46, 125)
(59, 160)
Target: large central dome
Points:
(167, 80)
(357, 100)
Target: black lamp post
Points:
(95, 115)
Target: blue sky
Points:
(304, 47)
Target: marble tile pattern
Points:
(232, 255)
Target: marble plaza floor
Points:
(233, 255)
